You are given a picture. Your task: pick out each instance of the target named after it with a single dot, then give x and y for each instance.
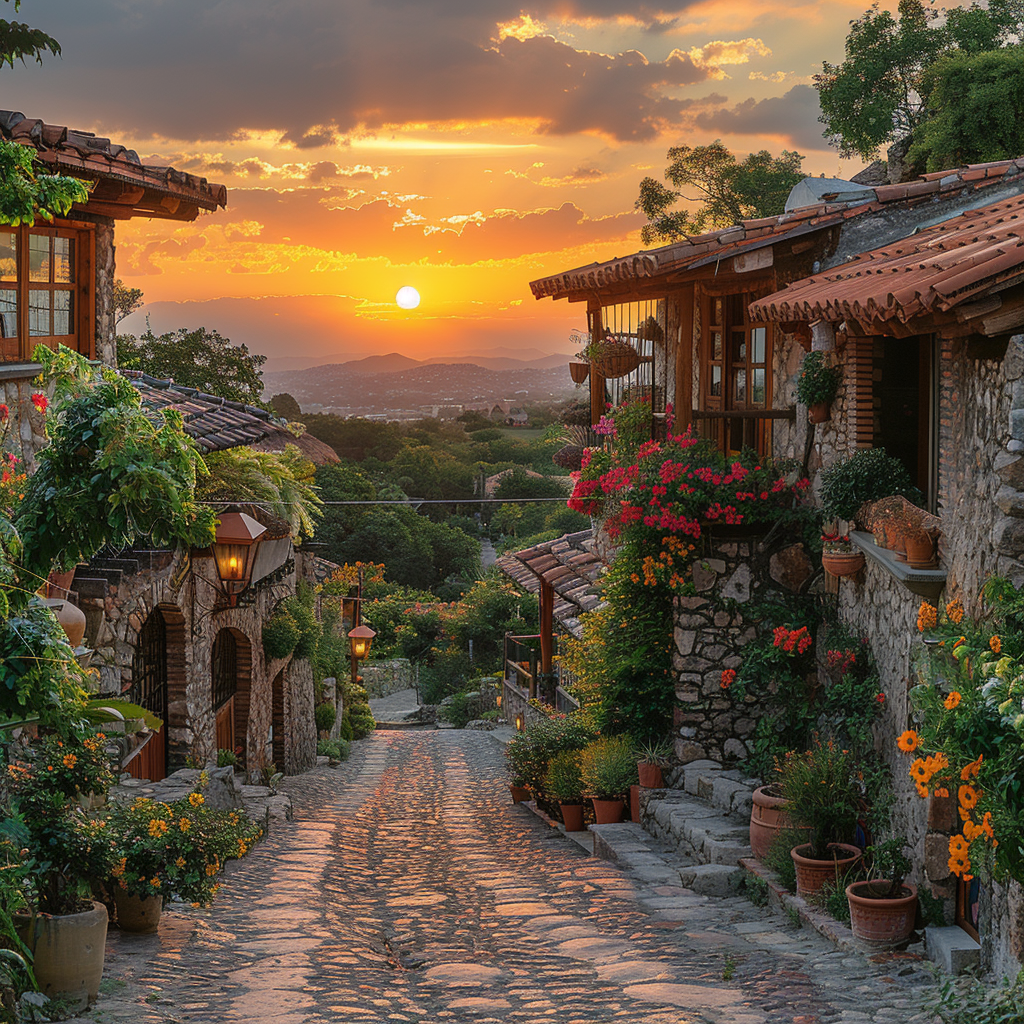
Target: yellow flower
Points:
(180, 862)
(908, 742)
(184, 824)
(157, 827)
(955, 612)
(995, 643)
(927, 617)
(952, 701)
(155, 882)
(196, 799)
(211, 870)
(69, 760)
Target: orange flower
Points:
(180, 862)
(908, 742)
(69, 760)
(927, 617)
(957, 846)
(960, 866)
(968, 797)
(986, 825)
(937, 762)
(922, 791)
(196, 799)
(955, 612)
(995, 643)
(952, 701)
(971, 770)
(919, 772)
(942, 792)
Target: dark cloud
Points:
(320, 69)
(794, 115)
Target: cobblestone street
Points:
(409, 888)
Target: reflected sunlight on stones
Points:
(420, 899)
(697, 997)
(463, 974)
(522, 909)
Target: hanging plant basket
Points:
(842, 563)
(615, 361)
(820, 412)
(579, 372)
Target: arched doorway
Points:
(149, 690)
(230, 669)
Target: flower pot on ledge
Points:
(608, 812)
(572, 817)
(812, 874)
(842, 563)
(520, 794)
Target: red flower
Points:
(40, 401)
(880, 697)
(4, 413)
(728, 677)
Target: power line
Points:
(407, 502)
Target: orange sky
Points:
(463, 147)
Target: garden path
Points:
(409, 888)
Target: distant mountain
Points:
(393, 362)
(543, 362)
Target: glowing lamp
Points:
(361, 638)
(233, 551)
(519, 723)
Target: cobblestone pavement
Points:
(409, 888)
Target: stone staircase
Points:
(104, 572)
(704, 816)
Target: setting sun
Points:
(408, 297)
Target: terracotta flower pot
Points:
(877, 920)
(820, 412)
(70, 617)
(138, 914)
(520, 794)
(650, 775)
(842, 563)
(768, 818)
(579, 372)
(812, 874)
(920, 551)
(572, 817)
(608, 812)
(67, 951)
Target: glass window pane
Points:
(8, 256)
(716, 380)
(757, 388)
(716, 345)
(739, 347)
(63, 312)
(39, 257)
(64, 261)
(741, 386)
(39, 314)
(757, 340)
(8, 313)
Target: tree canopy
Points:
(198, 359)
(880, 93)
(18, 41)
(728, 190)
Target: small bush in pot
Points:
(564, 783)
(821, 790)
(883, 909)
(819, 382)
(867, 475)
(609, 767)
(651, 758)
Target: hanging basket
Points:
(579, 372)
(847, 563)
(619, 361)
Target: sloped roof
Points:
(125, 186)
(929, 271)
(571, 568)
(700, 250)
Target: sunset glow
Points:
(502, 144)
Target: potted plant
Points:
(518, 758)
(866, 476)
(883, 909)
(769, 816)
(818, 386)
(612, 357)
(608, 769)
(176, 849)
(820, 787)
(564, 782)
(63, 852)
(838, 555)
(652, 757)
(579, 368)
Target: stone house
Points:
(159, 629)
(916, 289)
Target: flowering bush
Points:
(177, 849)
(968, 735)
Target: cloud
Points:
(775, 76)
(317, 71)
(793, 116)
(721, 51)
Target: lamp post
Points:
(234, 551)
(361, 638)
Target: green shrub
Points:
(867, 475)
(226, 758)
(326, 715)
(608, 767)
(564, 779)
(969, 1001)
(822, 792)
(756, 890)
(818, 382)
(457, 712)
(778, 857)
(336, 750)
(529, 754)
(345, 729)
(832, 897)
(280, 634)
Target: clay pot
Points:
(842, 563)
(768, 817)
(137, 914)
(920, 551)
(608, 812)
(579, 372)
(820, 412)
(71, 619)
(883, 923)
(572, 817)
(812, 874)
(67, 952)
(650, 775)
(59, 583)
(520, 794)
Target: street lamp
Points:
(360, 638)
(233, 551)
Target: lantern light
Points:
(519, 723)
(233, 544)
(361, 639)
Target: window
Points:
(735, 374)
(41, 290)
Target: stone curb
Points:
(585, 839)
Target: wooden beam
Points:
(684, 358)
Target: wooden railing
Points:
(734, 429)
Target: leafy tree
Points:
(18, 41)
(878, 94)
(728, 190)
(285, 406)
(24, 195)
(356, 438)
(974, 105)
(126, 300)
(198, 359)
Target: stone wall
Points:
(106, 273)
(383, 678)
(711, 630)
(24, 433)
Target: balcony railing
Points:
(735, 429)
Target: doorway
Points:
(149, 690)
(230, 666)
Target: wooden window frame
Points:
(82, 339)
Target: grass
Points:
(730, 967)
(756, 890)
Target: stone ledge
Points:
(952, 948)
(927, 583)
